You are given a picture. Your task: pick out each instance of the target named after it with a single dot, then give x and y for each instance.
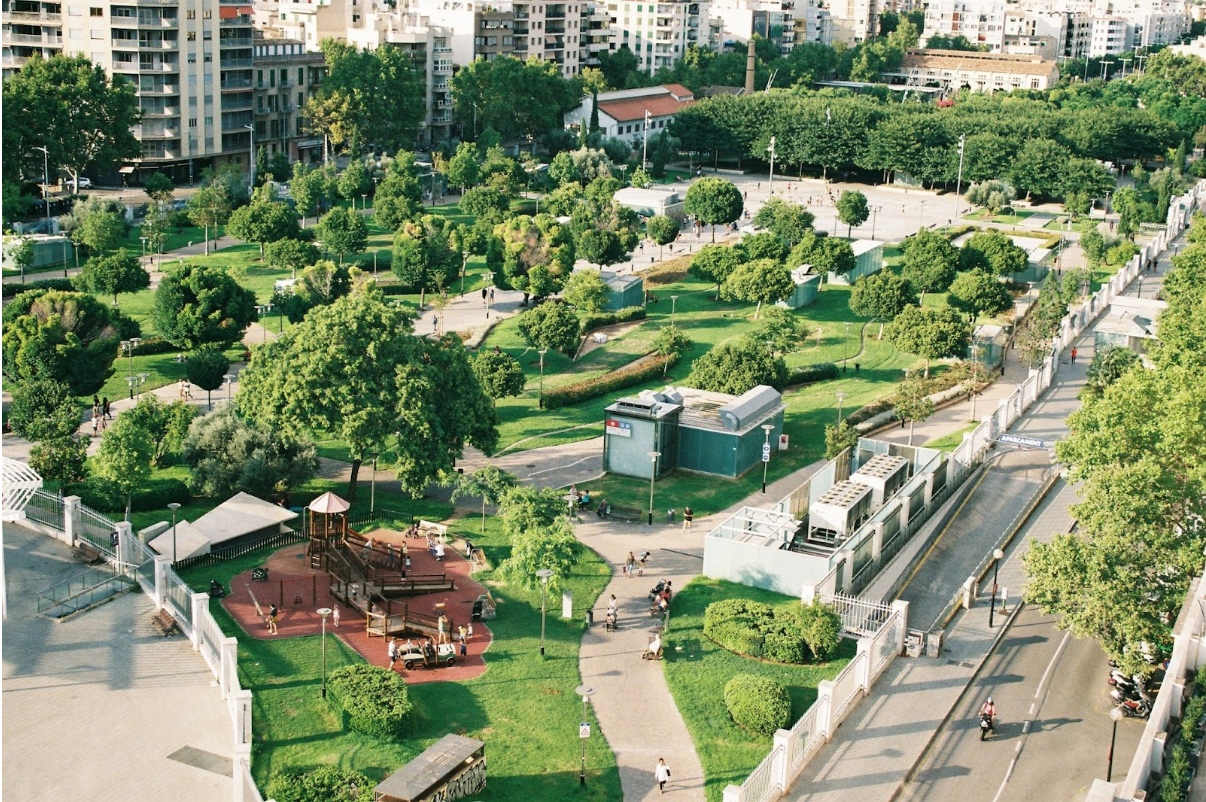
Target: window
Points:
(207, 14)
(192, 36)
(192, 58)
(301, 78)
(96, 12)
(190, 14)
(192, 122)
(208, 58)
(209, 120)
(98, 35)
(207, 35)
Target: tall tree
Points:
(929, 333)
(355, 181)
(43, 409)
(207, 368)
(71, 107)
(671, 341)
(291, 254)
(912, 402)
(67, 336)
(551, 325)
(1038, 168)
(736, 367)
(422, 257)
(930, 261)
(515, 98)
(852, 209)
(117, 272)
(713, 201)
(499, 374)
(123, 460)
(398, 195)
(586, 291)
(227, 453)
(165, 424)
(663, 230)
(979, 293)
(343, 231)
(786, 220)
(826, 254)
(464, 166)
(994, 253)
(209, 207)
(715, 263)
(262, 222)
(198, 304)
(760, 281)
(354, 369)
(159, 188)
(881, 296)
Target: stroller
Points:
(657, 589)
(611, 621)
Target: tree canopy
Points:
(713, 201)
(551, 325)
(929, 333)
(355, 370)
(114, 273)
(881, 296)
(979, 293)
(515, 98)
(736, 367)
(228, 454)
(197, 304)
(762, 281)
(342, 231)
(66, 336)
(930, 261)
(499, 373)
(994, 253)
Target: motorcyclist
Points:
(988, 712)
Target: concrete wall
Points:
(762, 566)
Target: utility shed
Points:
(651, 202)
(868, 259)
(636, 426)
(884, 474)
(839, 512)
(452, 768)
(622, 291)
(807, 285)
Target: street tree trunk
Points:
(356, 461)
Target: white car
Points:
(83, 183)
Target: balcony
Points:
(241, 21)
(162, 111)
(33, 17)
(159, 44)
(233, 63)
(165, 132)
(441, 67)
(14, 62)
(157, 154)
(555, 14)
(159, 90)
(125, 44)
(236, 103)
(29, 39)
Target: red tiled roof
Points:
(678, 90)
(634, 108)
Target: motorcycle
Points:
(1135, 708)
(985, 725)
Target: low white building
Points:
(242, 516)
(952, 70)
(650, 202)
(629, 113)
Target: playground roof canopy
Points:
(329, 503)
(188, 539)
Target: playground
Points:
(383, 583)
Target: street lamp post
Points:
(373, 487)
(174, 506)
(766, 449)
(959, 180)
(251, 157)
(263, 310)
(585, 691)
(921, 216)
(840, 397)
(46, 183)
(129, 346)
(543, 351)
(673, 304)
(544, 575)
(997, 554)
(874, 211)
(653, 455)
(229, 378)
(323, 612)
(1115, 716)
(771, 151)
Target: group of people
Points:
(101, 414)
(634, 564)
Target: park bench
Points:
(164, 624)
(629, 514)
(87, 554)
(435, 531)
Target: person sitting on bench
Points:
(439, 551)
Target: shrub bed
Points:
(154, 345)
(597, 320)
(155, 494)
(757, 704)
(803, 634)
(627, 376)
(327, 784)
(63, 284)
(810, 374)
(373, 699)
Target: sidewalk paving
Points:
(873, 751)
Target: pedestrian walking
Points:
(335, 616)
(95, 421)
(491, 295)
(1074, 356)
(629, 564)
(661, 773)
(392, 651)
(688, 516)
(105, 408)
(270, 621)
(641, 563)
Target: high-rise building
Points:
(286, 76)
(657, 33)
(853, 21)
(189, 60)
(738, 20)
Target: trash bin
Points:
(590, 618)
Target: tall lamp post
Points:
(653, 455)
(373, 487)
(874, 211)
(959, 180)
(323, 612)
(174, 506)
(262, 310)
(585, 691)
(840, 397)
(543, 351)
(229, 380)
(771, 150)
(673, 304)
(544, 575)
(1115, 716)
(46, 183)
(997, 554)
(129, 346)
(766, 451)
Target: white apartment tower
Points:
(854, 21)
(658, 33)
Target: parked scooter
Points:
(1135, 708)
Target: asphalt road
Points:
(1053, 725)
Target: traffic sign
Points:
(1028, 442)
(584, 730)
(766, 449)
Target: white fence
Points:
(835, 701)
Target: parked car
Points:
(445, 656)
(83, 183)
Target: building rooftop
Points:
(861, 246)
(960, 61)
(660, 104)
(618, 283)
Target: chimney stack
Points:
(749, 68)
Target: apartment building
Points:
(854, 21)
(286, 76)
(735, 21)
(657, 33)
(189, 60)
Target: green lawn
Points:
(950, 441)
(523, 707)
(1080, 225)
(982, 214)
(698, 672)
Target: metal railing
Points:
(806, 734)
(82, 591)
(761, 785)
(45, 509)
(179, 598)
(860, 617)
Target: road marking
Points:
(1031, 711)
(1051, 665)
(1025, 730)
(562, 467)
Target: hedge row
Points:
(597, 320)
(374, 700)
(154, 494)
(13, 290)
(636, 373)
(810, 374)
(154, 345)
(757, 704)
(799, 635)
(326, 784)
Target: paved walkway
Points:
(92, 715)
(886, 735)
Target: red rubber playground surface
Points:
(291, 566)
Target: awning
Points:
(126, 170)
